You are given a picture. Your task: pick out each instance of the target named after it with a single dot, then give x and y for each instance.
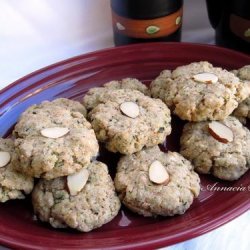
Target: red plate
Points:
(72, 78)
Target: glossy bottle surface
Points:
(231, 21)
(146, 20)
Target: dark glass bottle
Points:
(231, 21)
(137, 21)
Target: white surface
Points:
(36, 33)
(232, 236)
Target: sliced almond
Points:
(220, 132)
(55, 132)
(206, 78)
(158, 173)
(77, 181)
(4, 158)
(130, 109)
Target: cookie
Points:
(61, 102)
(40, 116)
(138, 191)
(53, 155)
(158, 88)
(93, 96)
(94, 205)
(243, 73)
(127, 121)
(200, 92)
(67, 104)
(215, 150)
(243, 110)
(13, 185)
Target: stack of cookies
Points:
(56, 145)
(128, 121)
(215, 142)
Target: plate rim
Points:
(92, 53)
(223, 219)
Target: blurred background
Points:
(36, 33)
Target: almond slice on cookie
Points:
(157, 173)
(77, 181)
(206, 77)
(55, 132)
(130, 109)
(220, 132)
(4, 158)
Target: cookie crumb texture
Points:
(126, 135)
(95, 205)
(74, 106)
(142, 196)
(243, 73)
(47, 157)
(13, 185)
(94, 95)
(243, 110)
(197, 101)
(57, 113)
(225, 161)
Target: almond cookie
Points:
(127, 121)
(94, 204)
(53, 141)
(218, 148)
(93, 96)
(153, 183)
(39, 116)
(243, 73)
(13, 185)
(243, 110)
(200, 92)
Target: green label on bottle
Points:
(152, 29)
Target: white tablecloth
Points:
(36, 33)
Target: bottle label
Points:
(147, 28)
(240, 27)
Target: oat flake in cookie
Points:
(67, 104)
(243, 110)
(93, 206)
(94, 95)
(145, 125)
(199, 91)
(47, 156)
(142, 195)
(226, 159)
(13, 185)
